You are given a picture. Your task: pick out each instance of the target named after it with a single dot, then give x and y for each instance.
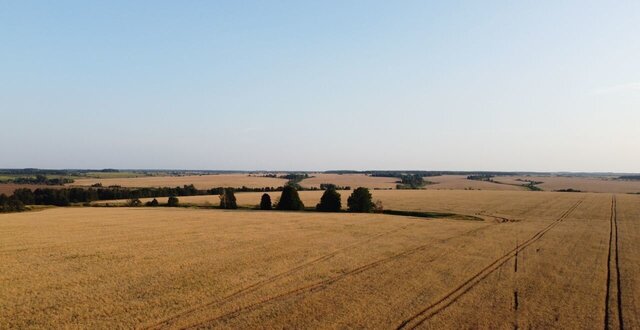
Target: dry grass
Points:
(200, 181)
(590, 184)
(175, 268)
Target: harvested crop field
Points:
(350, 180)
(199, 181)
(461, 182)
(589, 184)
(558, 260)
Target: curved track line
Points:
(324, 283)
(451, 297)
(255, 286)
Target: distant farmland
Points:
(539, 260)
(591, 184)
(200, 181)
(349, 180)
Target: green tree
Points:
(290, 200)
(173, 201)
(265, 202)
(330, 201)
(360, 201)
(134, 202)
(10, 204)
(228, 199)
(153, 202)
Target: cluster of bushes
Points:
(218, 190)
(481, 177)
(10, 204)
(327, 186)
(294, 179)
(532, 186)
(295, 176)
(411, 181)
(172, 202)
(268, 175)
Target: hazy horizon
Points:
(492, 86)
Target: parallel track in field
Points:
(452, 296)
(613, 266)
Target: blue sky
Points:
(292, 85)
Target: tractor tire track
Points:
(436, 307)
(257, 285)
(325, 283)
(613, 259)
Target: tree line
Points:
(75, 195)
(360, 200)
(40, 179)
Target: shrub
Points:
(378, 207)
(330, 201)
(265, 202)
(152, 203)
(360, 201)
(173, 201)
(290, 200)
(228, 199)
(134, 202)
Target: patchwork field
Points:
(544, 260)
(443, 182)
(590, 184)
(199, 181)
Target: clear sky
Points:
(302, 85)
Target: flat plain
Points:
(207, 181)
(539, 260)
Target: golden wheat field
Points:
(539, 260)
(199, 181)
